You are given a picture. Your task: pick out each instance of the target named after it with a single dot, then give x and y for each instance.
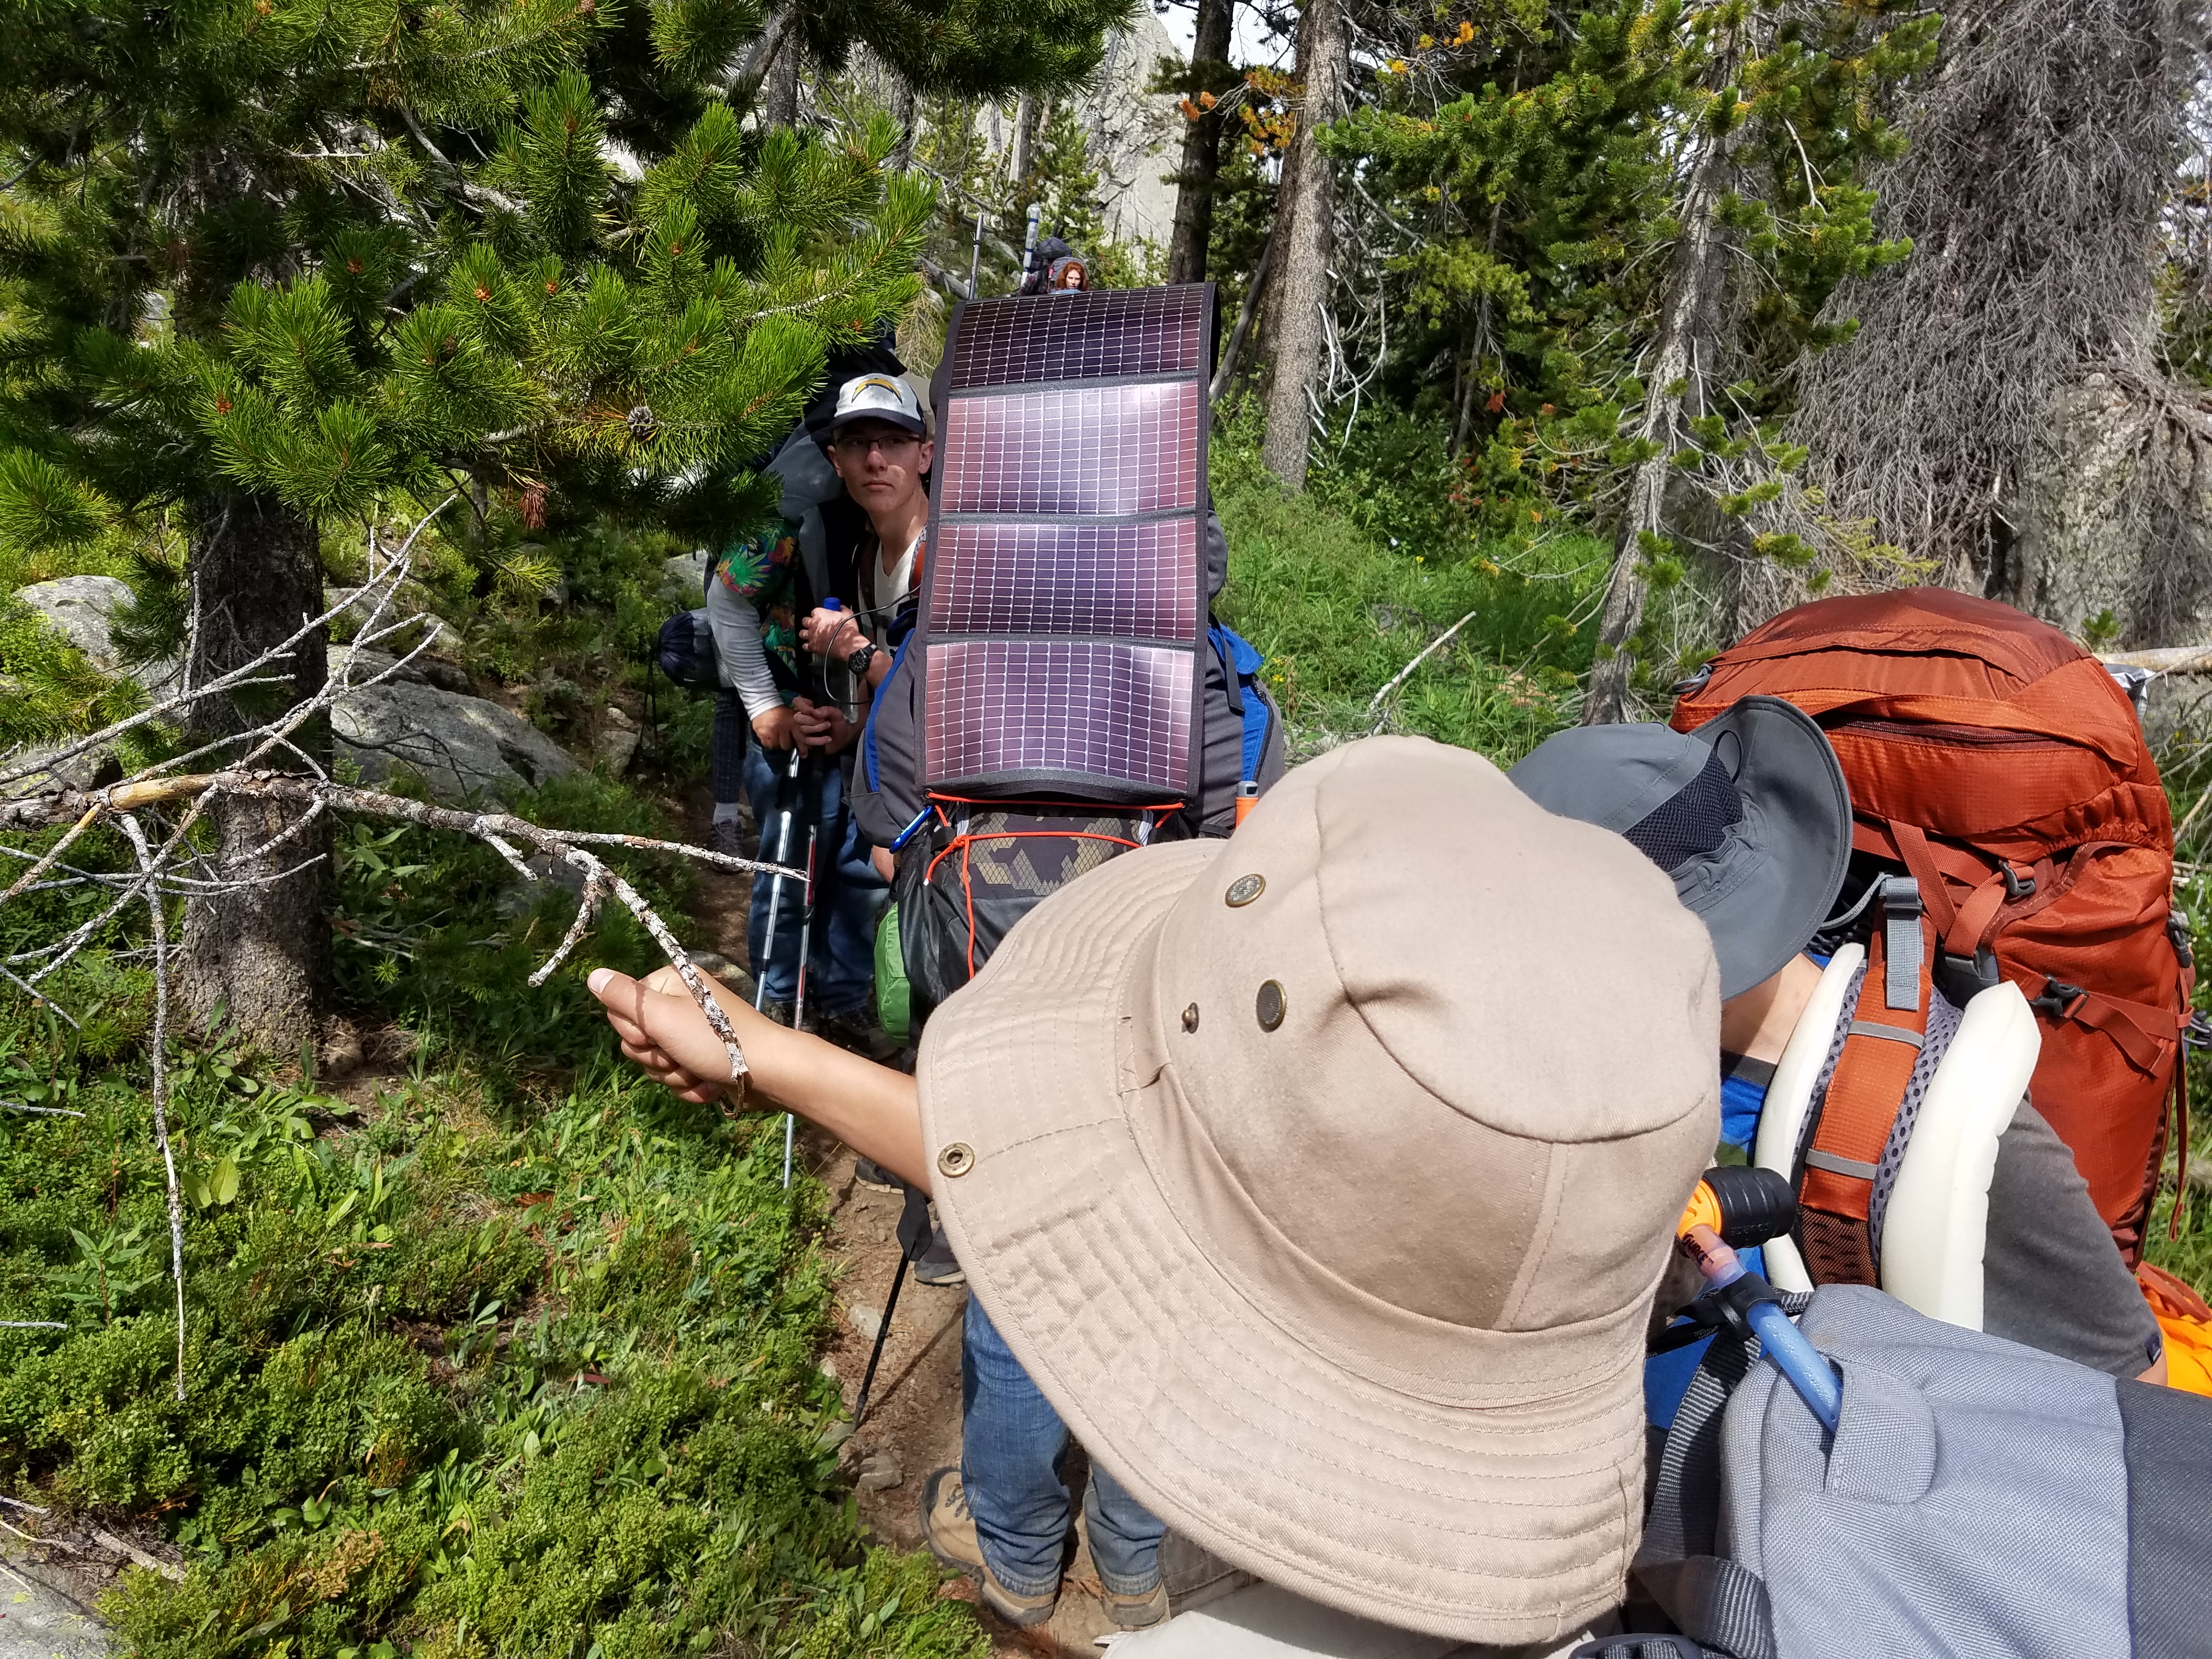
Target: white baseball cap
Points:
(879, 398)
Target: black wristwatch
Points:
(857, 664)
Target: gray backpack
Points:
(1978, 1498)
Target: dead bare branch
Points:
(158, 920)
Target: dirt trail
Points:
(913, 1424)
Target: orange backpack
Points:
(1998, 765)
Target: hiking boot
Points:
(859, 1034)
(937, 1264)
(726, 836)
(1137, 1612)
(950, 1531)
(869, 1173)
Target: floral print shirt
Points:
(761, 568)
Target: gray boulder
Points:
(683, 578)
(42, 775)
(458, 746)
(422, 670)
(407, 603)
(82, 610)
(616, 745)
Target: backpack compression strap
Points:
(1881, 1046)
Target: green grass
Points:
(456, 1381)
(518, 1359)
(1339, 610)
(2187, 765)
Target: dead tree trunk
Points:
(258, 956)
(2038, 178)
(1308, 197)
(780, 92)
(1674, 398)
(1201, 145)
(903, 112)
(1472, 381)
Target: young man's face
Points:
(882, 465)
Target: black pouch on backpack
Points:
(978, 868)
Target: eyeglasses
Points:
(893, 444)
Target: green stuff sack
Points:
(894, 992)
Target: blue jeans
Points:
(841, 962)
(1011, 1439)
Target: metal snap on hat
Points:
(1348, 1281)
(1749, 815)
(883, 398)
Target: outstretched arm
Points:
(871, 1108)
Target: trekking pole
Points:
(789, 792)
(914, 1239)
(799, 991)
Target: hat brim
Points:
(889, 416)
(1766, 891)
(1509, 1521)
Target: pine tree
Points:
(1202, 82)
(1307, 202)
(1628, 232)
(287, 266)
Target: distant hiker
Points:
(1750, 818)
(761, 584)
(1321, 1179)
(1055, 267)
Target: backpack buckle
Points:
(2197, 1033)
(2177, 929)
(2016, 887)
(2059, 999)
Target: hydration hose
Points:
(1739, 1206)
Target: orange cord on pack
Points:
(961, 843)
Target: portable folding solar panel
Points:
(1061, 619)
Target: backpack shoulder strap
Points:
(871, 766)
(1882, 1046)
(1683, 1563)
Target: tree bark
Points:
(1023, 154)
(1674, 396)
(259, 957)
(1201, 145)
(903, 112)
(1308, 197)
(779, 91)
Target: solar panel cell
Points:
(1051, 710)
(1022, 340)
(1137, 580)
(1079, 450)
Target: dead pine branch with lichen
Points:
(157, 807)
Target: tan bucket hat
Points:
(1322, 1177)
